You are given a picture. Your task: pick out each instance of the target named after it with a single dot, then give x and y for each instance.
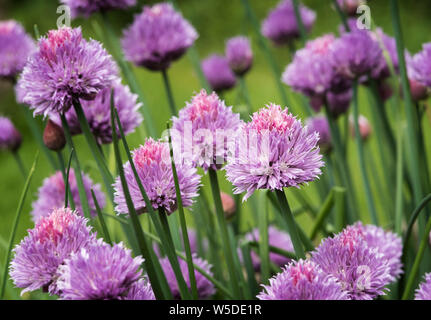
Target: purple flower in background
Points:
(320, 125)
(98, 272)
(10, 138)
(86, 8)
(361, 270)
(157, 37)
(350, 7)
(239, 54)
(356, 54)
(281, 27)
(218, 73)
(53, 190)
(205, 287)
(98, 113)
(65, 68)
(420, 65)
(424, 290)
(140, 290)
(389, 45)
(277, 239)
(153, 164)
(15, 47)
(302, 280)
(200, 125)
(275, 151)
(52, 240)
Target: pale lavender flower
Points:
(157, 37)
(321, 126)
(66, 67)
(98, 113)
(275, 151)
(361, 270)
(205, 287)
(98, 272)
(153, 164)
(53, 190)
(10, 138)
(15, 47)
(424, 290)
(53, 239)
(140, 290)
(420, 65)
(218, 73)
(86, 8)
(239, 54)
(200, 126)
(281, 26)
(302, 280)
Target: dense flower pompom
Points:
(153, 164)
(98, 272)
(157, 37)
(10, 138)
(275, 151)
(86, 8)
(65, 68)
(424, 290)
(202, 128)
(15, 47)
(420, 65)
(53, 239)
(239, 54)
(218, 73)
(98, 113)
(321, 126)
(205, 287)
(276, 238)
(302, 280)
(356, 54)
(281, 26)
(53, 190)
(140, 290)
(363, 271)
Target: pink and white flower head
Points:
(302, 280)
(274, 151)
(203, 129)
(66, 67)
(53, 190)
(364, 127)
(53, 239)
(239, 54)
(153, 164)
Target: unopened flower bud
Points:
(364, 127)
(418, 91)
(53, 136)
(228, 203)
(350, 7)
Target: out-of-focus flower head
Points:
(86, 8)
(218, 73)
(350, 7)
(239, 54)
(141, 290)
(364, 127)
(10, 138)
(424, 290)
(419, 66)
(321, 126)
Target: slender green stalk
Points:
(341, 14)
(15, 225)
(105, 230)
(245, 94)
(196, 62)
(20, 164)
(251, 279)
(366, 182)
(399, 183)
(340, 210)
(224, 233)
(324, 211)
(264, 239)
(291, 224)
(299, 21)
(275, 249)
(169, 94)
(413, 218)
(183, 224)
(65, 172)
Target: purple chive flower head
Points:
(98, 272)
(362, 271)
(53, 190)
(420, 65)
(200, 125)
(86, 8)
(205, 287)
(141, 290)
(218, 73)
(277, 239)
(153, 164)
(65, 68)
(389, 45)
(320, 125)
(424, 290)
(281, 27)
(52, 240)
(310, 71)
(302, 280)
(98, 113)
(239, 54)
(275, 151)
(10, 138)
(157, 37)
(356, 54)
(15, 47)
